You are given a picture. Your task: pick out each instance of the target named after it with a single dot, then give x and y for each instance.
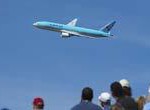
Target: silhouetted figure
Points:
(126, 102)
(86, 101)
(126, 87)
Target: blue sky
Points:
(35, 62)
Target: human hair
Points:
(38, 107)
(140, 102)
(4, 109)
(117, 107)
(87, 94)
(116, 89)
(127, 91)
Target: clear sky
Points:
(36, 62)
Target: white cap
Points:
(104, 97)
(124, 83)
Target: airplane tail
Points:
(108, 27)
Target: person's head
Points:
(105, 99)
(127, 91)
(141, 102)
(126, 87)
(38, 103)
(87, 94)
(116, 89)
(4, 109)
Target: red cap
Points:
(38, 101)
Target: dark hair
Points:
(116, 89)
(87, 94)
(127, 91)
(4, 109)
(39, 106)
(141, 102)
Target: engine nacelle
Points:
(65, 35)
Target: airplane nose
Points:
(34, 24)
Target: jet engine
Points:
(65, 35)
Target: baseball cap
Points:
(38, 101)
(104, 97)
(124, 83)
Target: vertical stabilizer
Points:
(108, 27)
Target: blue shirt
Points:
(86, 105)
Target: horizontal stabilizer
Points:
(108, 27)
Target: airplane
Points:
(70, 29)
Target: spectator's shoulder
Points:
(117, 106)
(76, 107)
(96, 107)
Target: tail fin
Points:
(108, 27)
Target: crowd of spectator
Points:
(121, 92)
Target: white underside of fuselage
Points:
(90, 35)
(73, 33)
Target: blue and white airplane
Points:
(70, 29)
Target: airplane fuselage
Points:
(72, 30)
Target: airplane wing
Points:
(70, 33)
(73, 22)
